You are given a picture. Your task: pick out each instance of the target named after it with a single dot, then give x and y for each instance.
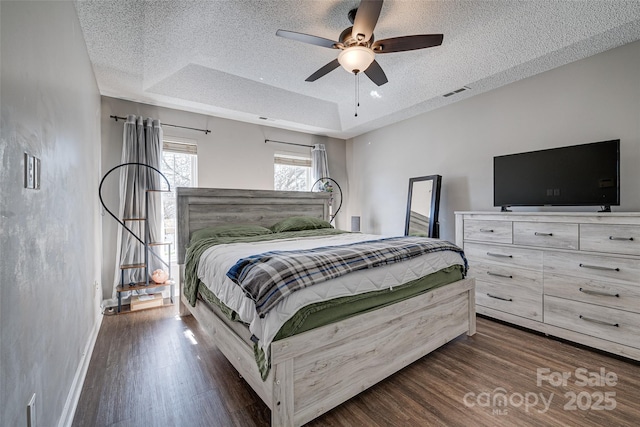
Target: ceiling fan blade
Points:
(324, 70)
(401, 44)
(366, 19)
(375, 73)
(306, 38)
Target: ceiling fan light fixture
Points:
(356, 59)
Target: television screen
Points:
(579, 175)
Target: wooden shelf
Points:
(130, 266)
(141, 285)
(145, 228)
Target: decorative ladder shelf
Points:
(147, 284)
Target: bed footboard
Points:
(320, 369)
(315, 371)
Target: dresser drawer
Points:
(616, 239)
(514, 299)
(546, 234)
(503, 255)
(488, 231)
(609, 324)
(595, 267)
(613, 295)
(507, 276)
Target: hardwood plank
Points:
(151, 368)
(236, 351)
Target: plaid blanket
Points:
(269, 277)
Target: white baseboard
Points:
(69, 411)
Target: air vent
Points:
(462, 89)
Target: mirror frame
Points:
(434, 225)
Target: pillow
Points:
(231, 230)
(296, 223)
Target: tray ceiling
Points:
(223, 58)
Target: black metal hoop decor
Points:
(326, 178)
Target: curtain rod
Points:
(287, 143)
(206, 131)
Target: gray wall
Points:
(233, 155)
(591, 100)
(50, 238)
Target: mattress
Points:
(216, 261)
(337, 309)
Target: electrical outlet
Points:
(31, 411)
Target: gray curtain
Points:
(319, 164)
(142, 143)
(320, 169)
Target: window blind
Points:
(180, 147)
(283, 159)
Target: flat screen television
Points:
(578, 175)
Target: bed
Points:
(317, 370)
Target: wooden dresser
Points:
(571, 275)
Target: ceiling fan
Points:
(358, 47)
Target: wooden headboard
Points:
(206, 207)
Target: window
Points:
(291, 172)
(180, 166)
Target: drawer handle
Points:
(589, 319)
(604, 294)
(542, 234)
(506, 276)
(499, 255)
(597, 267)
(500, 298)
(486, 230)
(621, 238)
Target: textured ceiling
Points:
(223, 58)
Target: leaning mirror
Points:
(422, 206)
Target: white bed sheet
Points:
(217, 260)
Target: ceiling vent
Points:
(457, 91)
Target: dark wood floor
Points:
(153, 368)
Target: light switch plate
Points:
(31, 412)
(31, 172)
